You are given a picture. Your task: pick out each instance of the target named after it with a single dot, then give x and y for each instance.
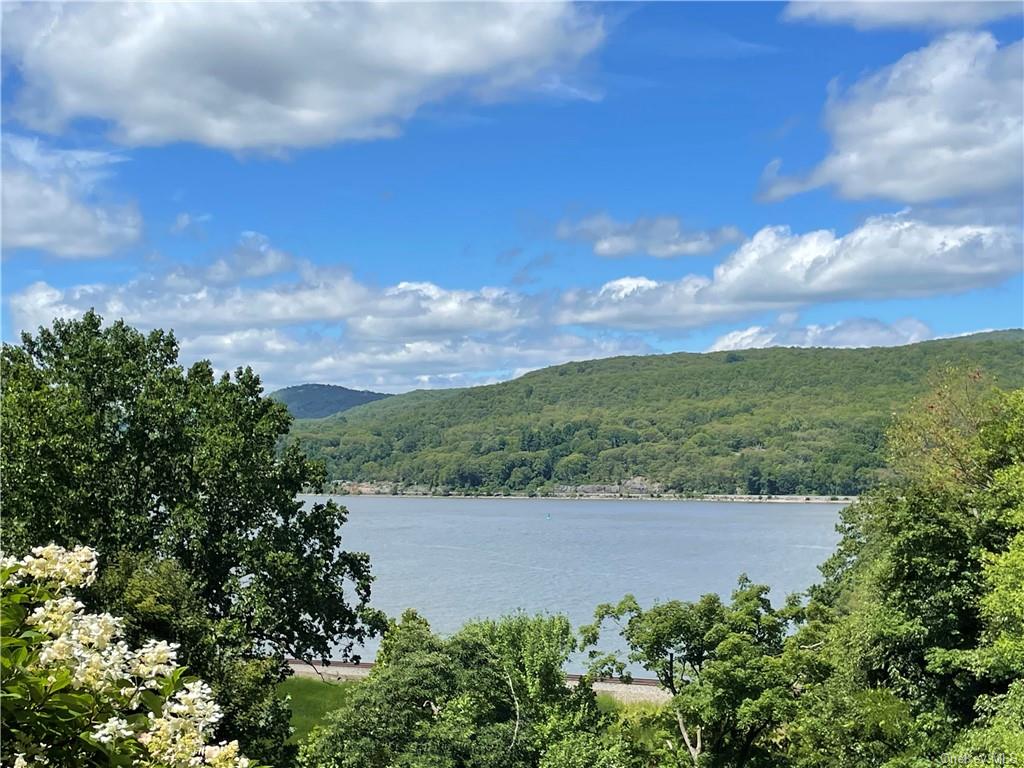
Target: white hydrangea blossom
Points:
(194, 703)
(155, 658)
(66, 567)
(56, 616)
(114, 728)
(225, 755)
(89, 648)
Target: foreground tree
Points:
(108, 441)
(914, 643)
(911, 648)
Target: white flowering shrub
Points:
(75, 694)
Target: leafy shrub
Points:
(74, 692)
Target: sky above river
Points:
(409, 195)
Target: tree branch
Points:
(515, 733)
(694, 750)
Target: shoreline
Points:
(640, 690)
(590, 496)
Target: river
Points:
(455, 559)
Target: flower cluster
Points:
(140, 705)
(65, 567)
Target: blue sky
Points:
(407, 196)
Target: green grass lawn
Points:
(312, 700)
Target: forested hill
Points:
(314, 401)
(768, 421)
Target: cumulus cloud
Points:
(51, 201)
(265, 76)
(183, 300)
(297, 321)
(330, 353)
(222, 298)
(661, 236)
(425, 310)
(891, 13)
(886, 257)
(943, 122)
(777, 269)
(463, 361)
(854, 332)
(320, 324)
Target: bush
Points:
(75, 693)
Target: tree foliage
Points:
(314, 401)
(913, 641)
(911, 649)
(722, 663)
(491, 696)
(179, 477)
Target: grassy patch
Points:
(606, 702)
(312, 700)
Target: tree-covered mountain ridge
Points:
(758, 421)
(314, 401)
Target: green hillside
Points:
(314, 401)
(768, 421)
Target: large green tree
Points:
(108, 441)
(491, 696)
(723, 665)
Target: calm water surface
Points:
(456, 559)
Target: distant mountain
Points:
(314, 401)
(770, 421)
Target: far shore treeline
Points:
(760, 422)
(151, 518)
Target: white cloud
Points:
(267, 76)
(189, 223)
(425, 310)
(310, 323)
(886, 257)
(326, 326)
(640, 303)
(892, 13)
(254, 256)
(661, 236)
(290, 357)
(181, 300)
(944, 122)
(51, 201)
(854, 332)
(463, 361)
(221, 298)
